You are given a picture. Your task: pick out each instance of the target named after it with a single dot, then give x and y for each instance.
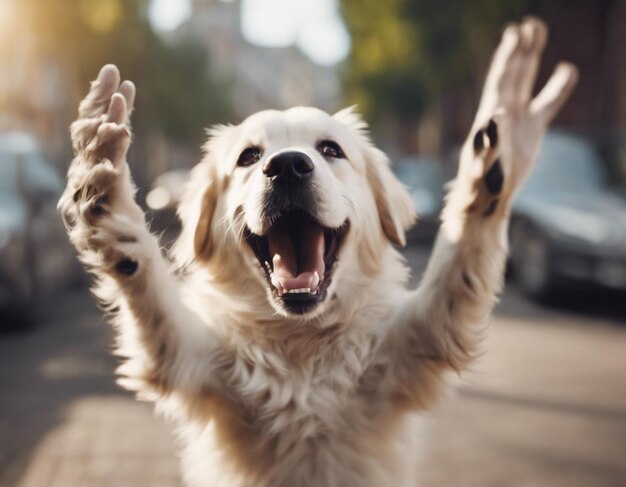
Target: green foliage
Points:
(176, 93)
(408, 52)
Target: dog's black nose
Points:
(291, 166)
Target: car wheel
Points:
(530, 261)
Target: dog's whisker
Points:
(350, 201)
(230, 226)
(222, 220)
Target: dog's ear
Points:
(202, 236)
(198, 203)
(393, 202)
(196, 214)
(395, 206)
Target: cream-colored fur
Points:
(331, 398)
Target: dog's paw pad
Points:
(479, 141)
(492, 133)
(127, 266)
(494, 178)
(491, 209)
(77, 195)
(126, 239)
(98, 206)
(486, 138)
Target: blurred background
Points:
(545, 405)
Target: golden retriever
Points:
(282, 341)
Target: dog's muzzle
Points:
(297, 252)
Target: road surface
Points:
(544, 407)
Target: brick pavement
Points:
(104, 441)
(546, 407)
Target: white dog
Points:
(285, 345)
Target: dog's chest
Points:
(311, 401)
(302, 427)
(295, 405)
(299, 422)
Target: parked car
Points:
(424, 178)
(162, 200)
(34, 253)
(568, 226)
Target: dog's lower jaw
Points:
(305, 311)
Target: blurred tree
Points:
(412, 58)
(176, 92)
(177, 95)
(408, 53)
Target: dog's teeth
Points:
(315, 281)
(298, 291)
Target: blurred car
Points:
(568, 226)
(34, 253)
(162, 200)
(424, 178)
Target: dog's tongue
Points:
(297, 257)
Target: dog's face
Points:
(295, 194)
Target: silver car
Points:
(424, 178)
(568, 224)
(34, 255)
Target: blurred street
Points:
(546, 404)
(545, 407)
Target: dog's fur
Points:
(262, 395)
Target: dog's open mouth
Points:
(298, 255)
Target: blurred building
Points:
(259, 77)
(591, 35)
(40, 86)
(33, 84)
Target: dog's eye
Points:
(249, 156)
(331, 149)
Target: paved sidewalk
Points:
(104, 441)
(63, 420)
(546, 407)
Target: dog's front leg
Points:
(156, 334)
(440, 325)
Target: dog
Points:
(280, 336)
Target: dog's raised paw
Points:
(489, 186)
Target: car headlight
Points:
(159, 198)
(425, 202)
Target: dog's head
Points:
(286, 200)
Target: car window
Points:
(567, 163)
(8, 172)
(420, 175)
